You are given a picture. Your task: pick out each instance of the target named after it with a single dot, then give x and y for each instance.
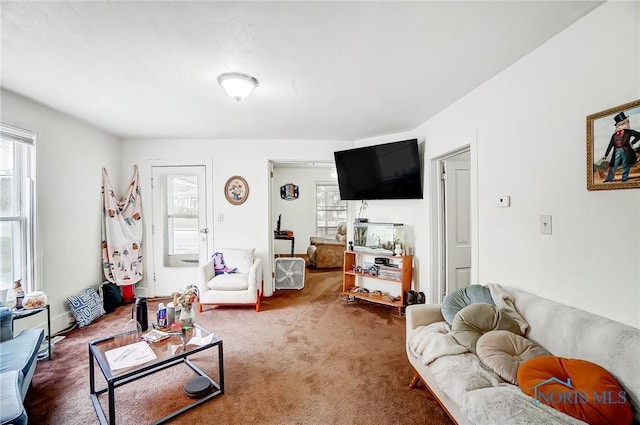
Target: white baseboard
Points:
(141, 291)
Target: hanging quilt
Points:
(122, 232)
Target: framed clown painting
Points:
(613, 148)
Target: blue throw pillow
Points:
(462, 297)
(86, 306)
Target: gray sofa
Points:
(18, 359)
(562, 330)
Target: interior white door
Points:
(457, 214)
(179, 229)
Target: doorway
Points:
(180, 233)
(454, 222)
(298, 214)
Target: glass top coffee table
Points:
(123, 359)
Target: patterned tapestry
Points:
(122, 232)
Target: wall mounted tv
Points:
(386, 171)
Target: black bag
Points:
(111, 296)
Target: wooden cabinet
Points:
(393, 280)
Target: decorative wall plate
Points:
(236, 190)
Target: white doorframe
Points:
(439, 259)
(270, 279)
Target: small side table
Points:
(21, 314)
(286, 238)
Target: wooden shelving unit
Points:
(352, 279)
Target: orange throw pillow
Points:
(578, 388)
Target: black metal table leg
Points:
(49, 330)
(112, 404)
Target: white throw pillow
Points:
(239, 258)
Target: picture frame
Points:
(289, 192)
(236, 190)
(601, 128)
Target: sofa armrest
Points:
(255, 275)
(422, 314)
(332, 243)
(12, 409)
(316, 240)
(206, 274)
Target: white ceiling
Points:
(327, 70)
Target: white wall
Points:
(297, 215)
(250, 223)
(413, 213)
(526, 128)
(70, 155)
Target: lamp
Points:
(237, 85)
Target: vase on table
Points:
(187, 317)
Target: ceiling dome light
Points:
(238, 86)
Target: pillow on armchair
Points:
(341, 232)
(239, 258)
(340, 237)
(244, 286)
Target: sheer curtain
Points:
(122, 232)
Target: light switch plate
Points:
(504, 201)
(545, 224)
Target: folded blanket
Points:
(505, 303)
(433, 341)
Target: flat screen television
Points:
(386, 171)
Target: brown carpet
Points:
(307, 358)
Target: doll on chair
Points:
(218, 265)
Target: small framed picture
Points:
(289, 192)
(236, 190)
(613, 148)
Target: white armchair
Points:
(245, 286)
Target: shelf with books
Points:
(360, 270)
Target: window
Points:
(330, 210)
(182, 215)
(17, 206)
